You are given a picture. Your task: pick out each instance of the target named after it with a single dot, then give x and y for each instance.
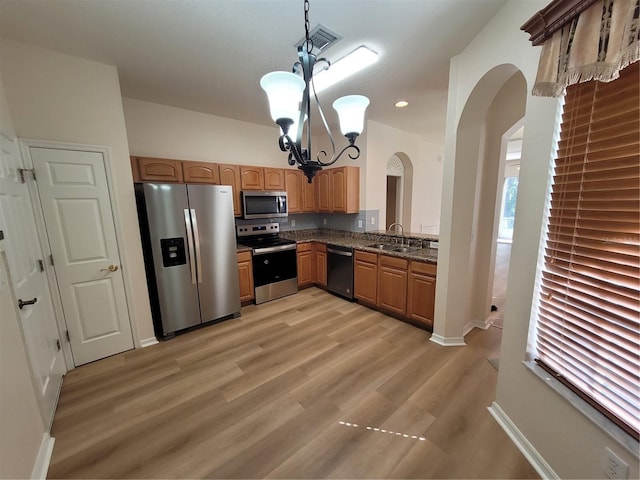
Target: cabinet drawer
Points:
(366, 257)
(244, 256)
(393, 262)
(423, 268)
(304, 247)
(320, 247)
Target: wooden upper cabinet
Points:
(230, 175)
(200, 172)
(345, 189)
(135, 171)
(159, 169)
(274, 179)
(323, 184)
(251, 178)
(293, 186)
(309, 194)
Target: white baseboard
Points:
(448, 341)
(476, 324)
(531, 454)
(41, 467)
(147, 342)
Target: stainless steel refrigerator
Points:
(189, 245)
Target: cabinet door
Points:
(159, 169)
(392, 284)
(230, 175)
(305, 267)
(245, 271)
(345, 189)
(421, 298)
(323, 179)
(309, 194)
(293, 186)
(274, 179)
(365, 281)
(200, 172)
(251, 178)
(321, 264)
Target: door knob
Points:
(24, 303)
(110, 268)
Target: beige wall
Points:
(570, 444)
(426, 159)
(21, 426)
(67, 99)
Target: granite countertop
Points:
(429, 255)
(362, 241)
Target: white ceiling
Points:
(209, 55)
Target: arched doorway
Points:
(399, 190)
(471, 185)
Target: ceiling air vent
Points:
(322, 38)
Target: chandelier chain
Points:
(306, 26)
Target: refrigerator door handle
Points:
(197, 243)
(192, 260)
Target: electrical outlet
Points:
(373, 220)
(359, 223)
(613, 466)
(293, 223)
(324, 221)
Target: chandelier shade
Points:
(351, 113)
(284, 91)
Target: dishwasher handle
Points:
(344, 253)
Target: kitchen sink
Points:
(383, 246)
(394, 248)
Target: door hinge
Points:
(67, 335)
(22, 171)
(58, 346)
(41, 265)
(51, 260)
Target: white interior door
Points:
(23, 255)
(78, 217)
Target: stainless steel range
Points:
(275, 271)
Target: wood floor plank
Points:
(270, 394)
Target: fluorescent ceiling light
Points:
(345, 67)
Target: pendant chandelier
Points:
(290, 106)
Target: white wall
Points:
(382, 143)
(62, 98)
(21, 425)
(569, 443)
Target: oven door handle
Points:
(192, 260)
(279, 248)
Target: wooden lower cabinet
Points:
(365, 277)
(392, 284)
(245, 273)
(421, 296)
(305, 264)
(320, 271)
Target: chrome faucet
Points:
(401, 231)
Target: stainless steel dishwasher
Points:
(340, 270)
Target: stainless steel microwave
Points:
(259, 204)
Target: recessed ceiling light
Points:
(402, 104)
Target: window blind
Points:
(589, 308)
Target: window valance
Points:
(593, 43)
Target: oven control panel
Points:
(258, 229)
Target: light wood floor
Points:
(309, 386)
